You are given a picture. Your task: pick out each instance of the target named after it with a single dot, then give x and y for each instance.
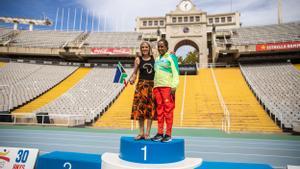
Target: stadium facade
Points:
(187, 25)
(218, 38)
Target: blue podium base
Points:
(113, 161)
(149, 152)
(228, 165)
(64, 160)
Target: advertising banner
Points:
(278, 46)
(111, 51)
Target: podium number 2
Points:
(68, 165)
(145, 152)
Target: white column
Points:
(56, 18)
(30, 26)
(16, 24)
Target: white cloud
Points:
(254, 12)
(122, 13)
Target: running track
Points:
(277, 153)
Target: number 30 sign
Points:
(17, 158)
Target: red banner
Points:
(278, 46)
(111, 51)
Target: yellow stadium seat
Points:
(246, 114)
(297, 66)
(2, 64)
(118, 115)
(55, 92)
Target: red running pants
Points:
(165, 104)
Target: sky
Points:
(120, 15)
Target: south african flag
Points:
(120, 76)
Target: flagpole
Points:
(98, 22)
(56, 18)
(104, 22)
(62, 20)
(80, 22)
(74, 20)
(279, 11)
(68, 18)
(86, 20)
(92, 21)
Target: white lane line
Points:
(240, 154)
(187, 139)
(237, 138)
(63, 145)
(36, 138)
(60, 133)
(242, 147)
(264, 142)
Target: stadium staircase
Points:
(201, 104)
(201, 108)
(55, 92)
(78, 41)
(118, 115)
(246, 114)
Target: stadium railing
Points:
(226, 118)
(44, 119)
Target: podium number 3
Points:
(145, 152)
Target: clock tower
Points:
(185, 5)
(187, 25)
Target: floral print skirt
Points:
(143, 104)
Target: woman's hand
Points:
(132, 79)
(173, 91)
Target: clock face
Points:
(186, 30)
(185, 5)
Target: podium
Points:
(149, 155)
(140, 154)
(68, 160)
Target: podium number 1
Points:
(145, 152)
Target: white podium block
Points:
(113, 161)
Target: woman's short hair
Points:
(165, 42)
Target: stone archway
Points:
(186, 42)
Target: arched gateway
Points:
(187, 25)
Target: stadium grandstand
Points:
(33, 54)
(247, 84)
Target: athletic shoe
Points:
(157, 137)
(166, 139)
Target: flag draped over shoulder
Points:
(120, 76)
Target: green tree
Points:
(180, 60)
(191, 58)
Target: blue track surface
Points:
(226, 165)
(277, 153)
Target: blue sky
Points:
(120, 15)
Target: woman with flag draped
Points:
(143, 105)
